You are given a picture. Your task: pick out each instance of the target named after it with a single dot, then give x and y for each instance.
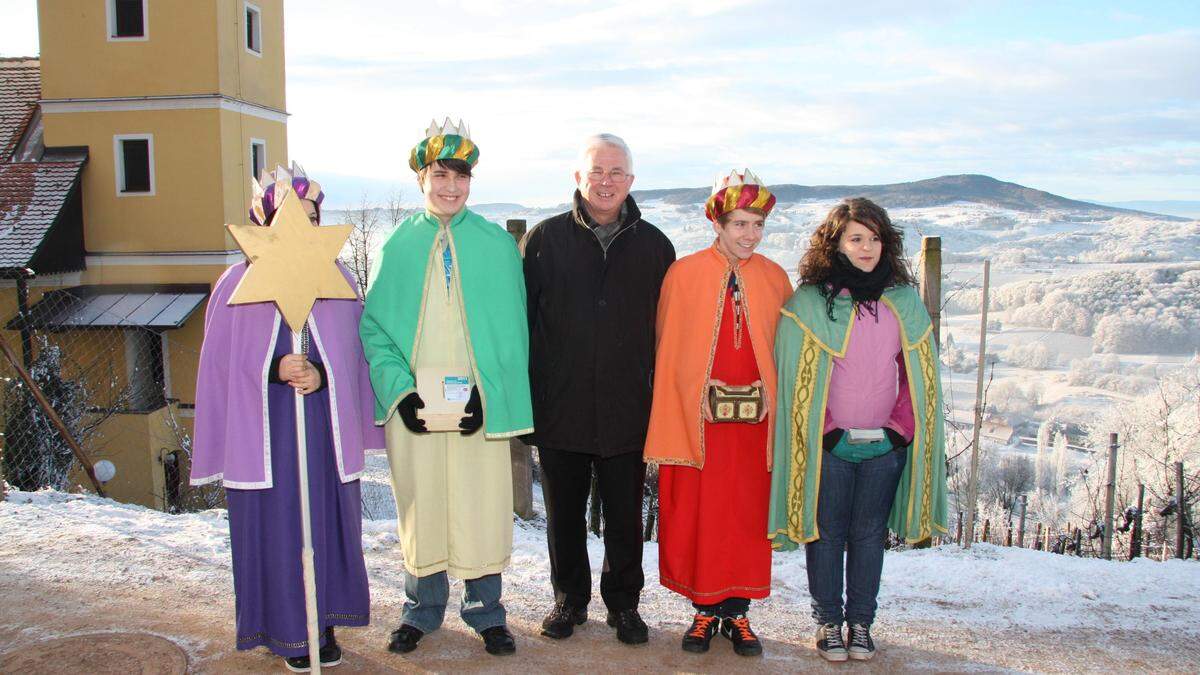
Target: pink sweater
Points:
(868, 389)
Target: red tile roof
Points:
(20, 89)
(31, 196)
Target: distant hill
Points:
(1173, 207)
(917, 194)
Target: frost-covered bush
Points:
(958, 360)
(1009, 397)
(1106, 372)
(1035, 356)
(1148, 310)
(1151, 331)
(1154, 431)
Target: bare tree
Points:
(1002, 482)
(360, 247)
(393, 211)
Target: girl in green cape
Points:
(859, 443)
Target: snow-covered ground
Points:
(1004, 600)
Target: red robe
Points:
(712, 539)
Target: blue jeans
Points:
(852, 512)
(426, 597)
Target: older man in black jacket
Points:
(592, 276)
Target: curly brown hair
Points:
(817, 264)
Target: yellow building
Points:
(149, 119)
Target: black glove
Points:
(897, 440)
(407, 408)
(474, 419)
(831, 439)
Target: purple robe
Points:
(265, 538)
(231, 442)
(246, 437)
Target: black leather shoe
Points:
(630, 628)
(330, 654)
(698, 637)
(404, 639)
(561, 621)
(498, 641)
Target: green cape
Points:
(487, 268)
(805, 345)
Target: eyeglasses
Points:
(616, 175)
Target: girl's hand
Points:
(309, 379)
(292, 366)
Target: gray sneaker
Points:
(862, 647)
(830, 644)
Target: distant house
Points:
(998, 431)
(124, 149)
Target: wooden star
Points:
(291, 262)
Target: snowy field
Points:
(987, 609)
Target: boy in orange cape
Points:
(716, 326)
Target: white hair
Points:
(597, 140)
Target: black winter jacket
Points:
(591, 330)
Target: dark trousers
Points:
(729, 607)
(566, 483)
(852, 513)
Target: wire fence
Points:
(82, 387)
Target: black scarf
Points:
(865, 287)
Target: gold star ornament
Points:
(292, 262)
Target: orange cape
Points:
(689, 314)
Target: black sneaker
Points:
(830, 644)
(704, 627)
(561, 621)
(737, 629)
(498, 641)
(330, 655)
(630, 628)
(404, 639)
(862, 647)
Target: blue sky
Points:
(1096, 100)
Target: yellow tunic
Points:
(453, 492)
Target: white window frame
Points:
(247, 7)
(119, 163)
(111, 10)
(259, 142)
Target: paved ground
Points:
(202, 626)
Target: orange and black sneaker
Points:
(737, 629)
(704, 627)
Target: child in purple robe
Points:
(246, 438)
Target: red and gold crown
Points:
(738, 191)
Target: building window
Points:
(253, 29)
(134, 155)
(127, 20)
(258, 157)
